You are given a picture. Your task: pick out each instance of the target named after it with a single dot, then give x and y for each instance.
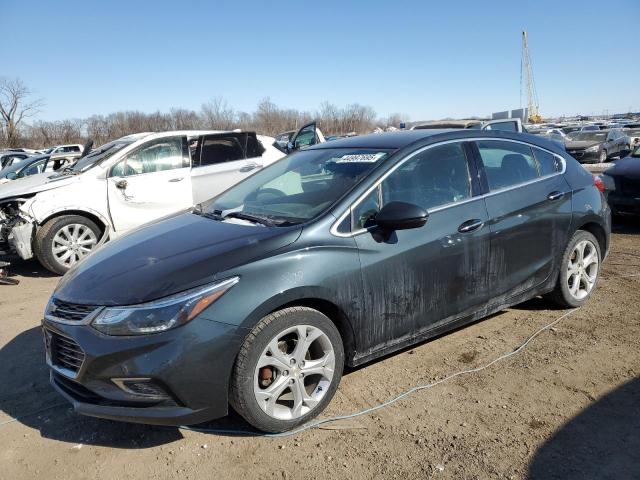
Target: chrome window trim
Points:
(334, 227)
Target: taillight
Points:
(599, 184)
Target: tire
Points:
(49, 236)
(249, 390)
(603, 156)
(563, 294)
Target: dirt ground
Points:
(566, 407)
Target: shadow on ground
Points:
(28, 269)
(602, 442)
(25, 389)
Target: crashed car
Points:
(61, 217)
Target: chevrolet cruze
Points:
(331, 257)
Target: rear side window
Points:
(232, 147)
(220, 150)
(507, 163)
(549, 163)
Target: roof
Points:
(386, 140)
(405, 138)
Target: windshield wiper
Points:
(251, 218)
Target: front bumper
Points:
(583, 156)
(192, 364)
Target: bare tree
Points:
(15, 106)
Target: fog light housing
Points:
(142, 387)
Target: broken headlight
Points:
(160, 315)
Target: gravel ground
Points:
(566, 407)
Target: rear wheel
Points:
(63, 241)
(288, 369)
(579, 271)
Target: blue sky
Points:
(425, 59)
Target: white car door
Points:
(150, 182)
(220, 161)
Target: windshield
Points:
(296, 188)
(17, 166)
(99, 155)
(588, 136)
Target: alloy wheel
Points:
(582, 269)
(72, 243)
(294, 372)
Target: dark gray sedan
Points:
(335, 255)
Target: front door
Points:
(222, 160)
(149, 183)
(415, 280)
(529, 207)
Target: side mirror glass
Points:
(401, 216)
(11, 176)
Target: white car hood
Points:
(34, 184)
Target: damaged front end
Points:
(16, 228)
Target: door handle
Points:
(470, 225)
(248, 168)
(121, 184)
(173, 180)
(555, 196)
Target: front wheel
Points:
(579, 271)
(603, 156)
(63, 241)
(288, 369)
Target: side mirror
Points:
(401, 216)
(11, 176)
(290, 147)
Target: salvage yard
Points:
(568, 406)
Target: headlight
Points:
(160, 315)
(595, 148)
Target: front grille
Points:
(64, 352)
(70, 311)
(577, 154)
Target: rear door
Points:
(415, 280)
(529, 207)
(150, 182)
(220, 161)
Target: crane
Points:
(527, 83)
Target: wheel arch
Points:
(334, 313)
(95, 217)
(598, 231)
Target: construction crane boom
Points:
(527, 83)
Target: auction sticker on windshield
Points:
(360, 157)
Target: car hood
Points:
(579, 144)
(625, 167)
(167, 257)
(34, 184)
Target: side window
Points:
(549, 163)
(34, 169)
(74, 148)
(254, 147)
(307, 137)
(435, 177)
(363, 213)
(507, 163)
(155, 156)
(220, 149)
